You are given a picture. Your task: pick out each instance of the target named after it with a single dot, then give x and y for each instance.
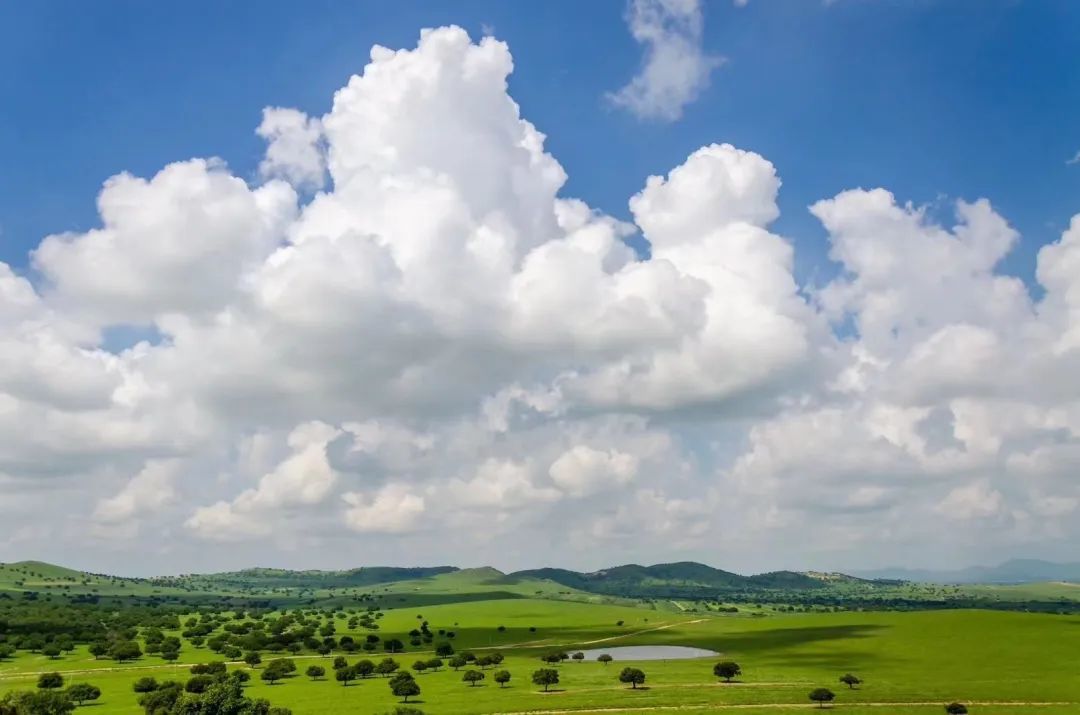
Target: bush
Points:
(145, 685)
(81, 692)
(50, 681)
(199, 683)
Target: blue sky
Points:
(930, 98)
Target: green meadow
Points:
(910, 662)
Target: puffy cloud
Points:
(173, 244)
(583, 470)
(304, 478)
(294, 150)
(440, 338)
(676, 68)
(147, 492)
(392, 510)
(973, 501)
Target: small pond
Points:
(649, 652)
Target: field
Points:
(911, 662)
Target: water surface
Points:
(650, 652)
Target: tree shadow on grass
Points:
(778, 643)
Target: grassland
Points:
(912, 662)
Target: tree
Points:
(956, 709)
(727, 669)
(50, 681)
(145, 685)
(340, 662)
(51, 651)
(199, 683)
(404, 686)
(271, 675)
(420, 666)
(253, 658)
(850, 680)
(81, 692)
(605, 658)
(822, 696)
(345, 675)
(472, 677)
(6, 651)
(386, 666)
(502, 677)
(99, 649)
(162, 700)
(578, 656)
(124, 650)
(634, 676)
(553, 658)
(546, 677)
(458, 661)
(435, 664)
(315, 672)
(42, 702)
(364, 668)
(393, 645)
(444, 650)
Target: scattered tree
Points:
(634, 676)
(253, 659)
(50, 681)
(605, 658)
(727, 669)
(472, 677)
(386, 666)
(198, 683)
(315, 672)
(502, 677)
(81, 692)
(403, 685)
(850, 680)
(345, 675)
(546, 677)
(145, 685)
(271, 675)
(956, 709)
(822, 696)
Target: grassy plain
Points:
(1000, 662)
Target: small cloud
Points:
(676, 68)
(1074, 160)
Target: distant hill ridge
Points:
(1013, 571)
(682, 579)
(687, 578)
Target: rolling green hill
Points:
(684, 579)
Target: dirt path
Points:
(550, 643)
